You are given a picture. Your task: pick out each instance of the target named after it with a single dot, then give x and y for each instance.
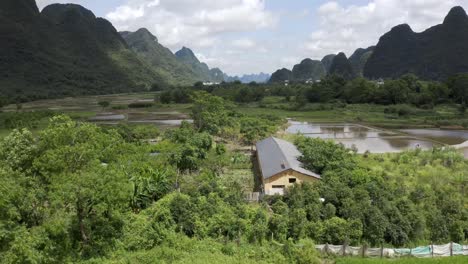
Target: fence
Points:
(447, 250)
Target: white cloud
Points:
(194, 23)
(244, 43)
(125, 13)
(43, 3)
(346, 28)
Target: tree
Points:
(253, 129)
(156, 87)
(319, 155)
(459, 86)
(396, 91)
(198, 85)
(104, 104)
(3, 101)
(166, 97)
(210, 113)
(360, 90)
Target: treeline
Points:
(79, 192)
(406, 90)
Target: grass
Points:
(440, 116)
(444, 260)
(4, 132)
(82, 108)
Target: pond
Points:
(361, 137)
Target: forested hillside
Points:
(359, 59)
(63, 51)
(200, 69)
(435, 54)
(163, 61)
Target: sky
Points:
(253, 36)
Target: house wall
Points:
(282, 179)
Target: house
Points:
(279, 166)
(210, 83)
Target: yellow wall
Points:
(283, 179)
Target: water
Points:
(362, 138)
(450, 137)
(107, 117)
(171, 123)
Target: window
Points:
(292, 180)
(278, 186)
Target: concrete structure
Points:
(279, 166)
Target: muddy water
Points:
(361, 137)
(450, 137)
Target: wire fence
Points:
(447, 250)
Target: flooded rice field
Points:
(375, 140)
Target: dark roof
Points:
(277, 155)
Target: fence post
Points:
(381, 251)
(364, 249)
(326, 248)
(451, 249)
(432, 249)
(344, 248)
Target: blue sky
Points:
(252, 36)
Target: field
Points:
(393, 117)
(398, 116)
(84, 108)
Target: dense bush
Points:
(30, 120)
(141, 105)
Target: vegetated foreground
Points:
(451, 260)
(77, 192)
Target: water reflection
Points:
(451, 137)
(360, 137)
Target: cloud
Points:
(194, 23)
(346, 28)
(43, 3)
(244, 43)
(124, 13)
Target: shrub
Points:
(120, 107)
(141, 105)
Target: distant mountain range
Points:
(437, 53)
(312, 70)
(248, 78)
(65, 50)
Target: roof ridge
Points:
(285, 159)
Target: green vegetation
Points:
(451, 260)
(77, 192)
